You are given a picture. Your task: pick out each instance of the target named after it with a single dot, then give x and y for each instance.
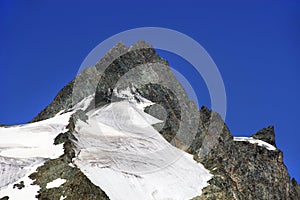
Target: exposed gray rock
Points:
(241, 170)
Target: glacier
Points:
(116, 148)
(121, 152)
(25, 147)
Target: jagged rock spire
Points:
(266, 134)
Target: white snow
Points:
(22, 147)
(62, 197)
(136, 99)
(33, 140)
(255, 141)
(28, 192)
(72, 165)
(60, 112)
(121, 152)
(117, 149)
(12, 169)
(84, 104)
(55, 183)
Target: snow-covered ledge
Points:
(255, 141)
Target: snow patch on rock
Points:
(55, 183)
(255, 141)
(28, 192)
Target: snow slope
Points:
(117, 149)
(33, 140)
(27, 193)
(24, 147)
(121, 152)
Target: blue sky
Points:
(255, 46)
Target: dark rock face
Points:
(164, 97)
(267, 135)
(77, 185)
(119, 67)
(60, 102)
(241, 170)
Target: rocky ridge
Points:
(241, 170)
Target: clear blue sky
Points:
(255, 45)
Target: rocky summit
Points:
(126, 129)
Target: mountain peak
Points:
(102, 123)
(266, 134)
(101, 74)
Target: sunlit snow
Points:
(255, 141)
(22, 148)
(28, 192)
(121, 152)
(117, 149)
(55, 183)
(33, 140)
